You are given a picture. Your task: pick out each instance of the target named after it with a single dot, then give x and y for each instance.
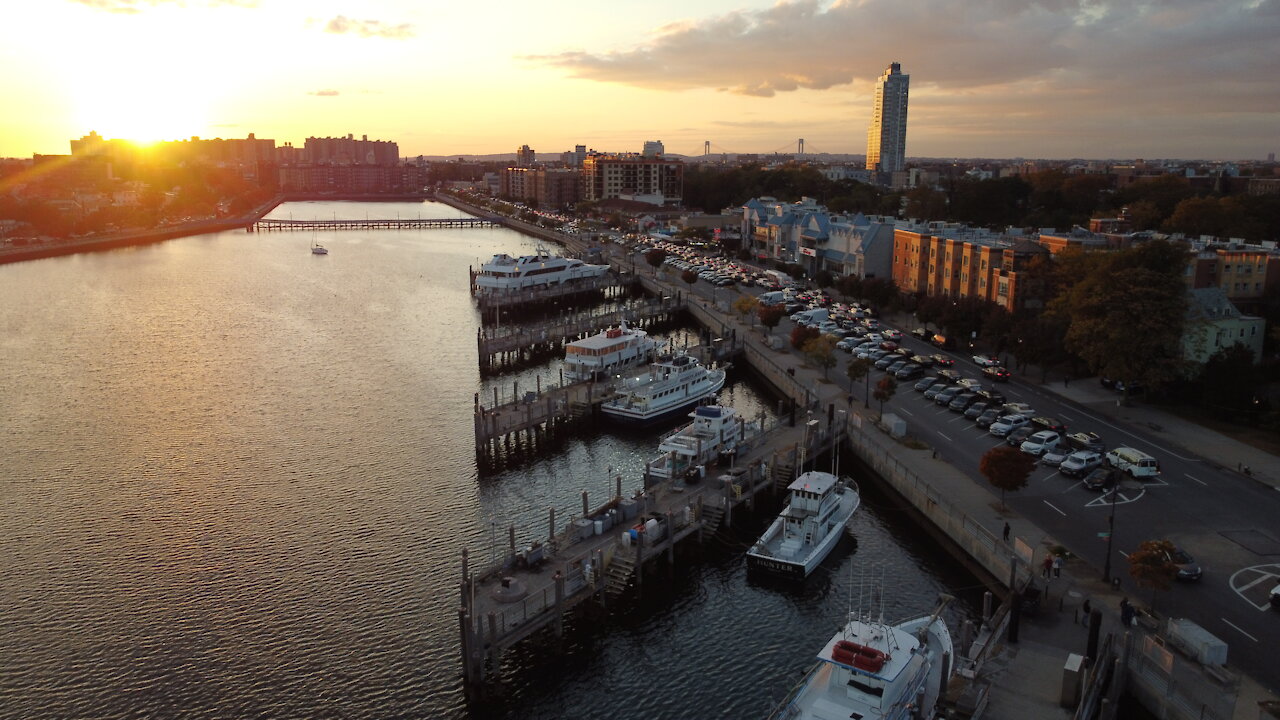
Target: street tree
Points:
(801, 335)
(690, 277)
(746, 306)
(1152, 566)
(860, 369)
(655, 257)
(884, 391)
(821, 351)
(770, 315)
(1006, 468)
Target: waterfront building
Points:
(887, 135)
(804, 233)
(655, 181)
(541, 186)
(349, 151)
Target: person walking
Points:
(1087, 610)
(1126, 612)
(1046, 566)
(1006, 532)
(1057, 566)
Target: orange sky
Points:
(993, 78)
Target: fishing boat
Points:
(808, 527)
(506, 273)
(673, 385)
(874, 671)
(713, 436)
(608, 352)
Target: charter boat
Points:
(608, 352)
(874, 671)
(808, 527)
(713, 436)
(672, 385)
(504, 272)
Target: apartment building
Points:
(957, 261)
(655, 181)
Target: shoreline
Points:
(57, 248)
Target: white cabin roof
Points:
(814, 481)
(602, 340)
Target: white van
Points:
(817, 316)
(1135, 462)
(775, 297)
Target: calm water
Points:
(237, 479)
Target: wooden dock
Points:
(516, 343)
(610, 285)
(543, 577)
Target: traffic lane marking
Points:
(1198, 480)
(1237, 627)
(1055, 507)
(1267, 573)
(944, 437)
(904, 410)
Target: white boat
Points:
(505, 273)
(318, 249)
(714, 434)
(672, 386)
(874, 671)
(808, 527)
(608, 352)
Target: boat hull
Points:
(631, 417)
(801, 567)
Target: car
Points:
(1086, 441)
(909, 371)
(1008, 424)
(950, 376)
(995, 397)
(1018, 408)
(891, 334)
(1043, 422)
(943, 360)
(933, 392)
(987, 417)
(922, 333)
(996, 373)
(905, 353)
(922, 361)
(969, 383)
(945, 397)
(1100, 478)
(1054, 457)
(1188, 569)
(961, 402)
(846, 345)
(1040, 442)
(975, 409)
(895, 367)
(889, 345)
(926, 383)
(1018, 436)
(1080, 462)
(886, 360)
(986, 360)
(876, 338)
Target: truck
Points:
(1136, 463)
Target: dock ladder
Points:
(618, 578)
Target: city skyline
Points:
(1046, 80)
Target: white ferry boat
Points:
(714, 434)
(808, 527)
(608, 352)
(672, 386)
(504, 273)
(875, 671)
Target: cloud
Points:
(342, 25)
(132, 7)
(323, 93)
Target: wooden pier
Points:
(610, 286)
(544, 576)
(368, 224)
(513, 344)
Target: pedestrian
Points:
(1126, 612)
(1046, 566)
(1066, 381)
(1006, 532)
(1057, 566)
(1087, 609)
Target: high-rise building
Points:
(657, 181)
(653, 148)
(887, 135)
(524, 156)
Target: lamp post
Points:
(1111, 531)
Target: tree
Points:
(655, 257)
(770, 315)
(801, 335)
(860, 369)
(1229, 382)
(1152, 566)
(746, 306)
(1007, 468)
(821, 351)
(884, 391)
(690, 277)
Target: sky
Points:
(1193, 79)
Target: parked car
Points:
(973, 411)
(1100, 478)
(1018, 436)
(945, 397)
(1086, 441)
(891, 334)
(1040, 442)
(961, 402)
(908, 372)
(1054, 457)
(986, 360)
(895, 367)
(933, 392)
(1080, 462)
(922, 333)
(926, 383)
(943, 360)
(1018, 408)
(987, 417)
(995, 397)
(1047, 423)
(996, 373)
(889, 345)
(1008, 424)
(886, 360)
(922, 361)
(950, 376)
(970, 383)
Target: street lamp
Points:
(1111, 529)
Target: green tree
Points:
(770, 315)
(821, 351)
(884, 391)
(746, 306)
(1152, 566)
(860, 369)
(1006, 468)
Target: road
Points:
(1230, 523)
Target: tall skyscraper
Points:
(887, 136)
(524, 156)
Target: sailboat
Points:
(318, 249)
